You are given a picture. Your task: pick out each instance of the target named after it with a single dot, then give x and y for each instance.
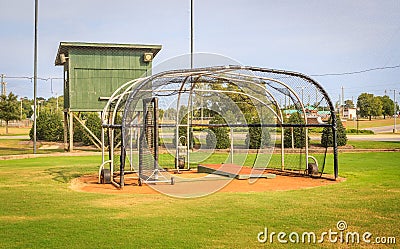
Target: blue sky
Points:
(312, 37)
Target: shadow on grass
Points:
(62, 175)
(5, 151)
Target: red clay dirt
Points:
(281, 182)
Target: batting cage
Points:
(180, 120)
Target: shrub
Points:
(218, 137)
(327, 136)
(49, 127)
(298, 132)
(354, 131)
(78, 131)
(93, 122)
(257, 137)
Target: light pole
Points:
(395, 111)
(21, 108)
(302, 93)
(191, 34)
(35, 76)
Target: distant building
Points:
(348, 113)
(313, 115)
(324, 114)
(288, 113)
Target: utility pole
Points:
(342, 96)
(3, 85)
(302, 93)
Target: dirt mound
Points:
(89, 183)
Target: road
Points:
(375, 137)
(382, 129)
(15, 137)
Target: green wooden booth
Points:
(93, 71)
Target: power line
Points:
(356, 72)
(314, 75)
(31, 78)
(364, 87)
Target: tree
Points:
(387, 106)
(234, 100)
(27, 110)
(377, 107)
(9, 108)
(365, 103)
(349, 103)
(327, 135)
(298, 132)
(257, 137)
(169, 114)
(54, 104)
(161, 114)
(218, 137)
(49, 127)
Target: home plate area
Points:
(234, 171)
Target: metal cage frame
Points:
(269, 83)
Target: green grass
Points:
(365, 123)
(21, 146)
(38, 210)
(14, 131)
(374, 144)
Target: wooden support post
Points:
(65, 131)
(71, 131)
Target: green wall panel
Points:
(95, 73)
